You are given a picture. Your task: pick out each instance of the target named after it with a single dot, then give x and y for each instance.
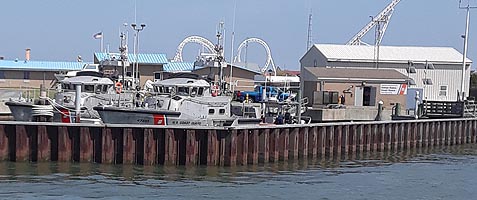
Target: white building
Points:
(436, 71)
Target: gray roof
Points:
(322, 73)
(363, 53)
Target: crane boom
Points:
(383, 17)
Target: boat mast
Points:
(219, 57)
(232, 49)
(123, 49)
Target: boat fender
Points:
(215, 90)
(119, 87)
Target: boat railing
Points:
(25, 93)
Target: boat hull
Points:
(21, 111)
(115, 115)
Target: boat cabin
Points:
(182, 87)
(89, 84)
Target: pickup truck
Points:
(257, 95)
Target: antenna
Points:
(135, 11)
(232, 47)
(310, 32)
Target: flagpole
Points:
(102, 43)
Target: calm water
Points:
(439, 173)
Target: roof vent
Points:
(2, 58)
(16, 59)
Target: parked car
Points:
(272, 93)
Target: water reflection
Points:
(448, 154)
(125, 180)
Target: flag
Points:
(98, 35)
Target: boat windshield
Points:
(65, 86)
(184, 91)
(88, 88)
(162, 89)
(201, 91)
(101, 89)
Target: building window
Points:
(222, 111)
(157, 76)
(2, 75)
(443, 90)
(211, 111)
(427, 81)
(26, 76)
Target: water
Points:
(439, 173)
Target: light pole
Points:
(135, 68)
(466, 38)
(270, 77)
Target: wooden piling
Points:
(313, 142)
(108, 146)
(264, 146)
(171, 148)
(353, 137)
(242, 147)
(345, 140)
(322, 141)
(150, 147)
(368, 136)
(361, 135)
(86, 144)
(330, 139)
(231, 148)
(212, 148)
(293, 142)
(22, 145)
(374, 137)
(64, 145)
(303, 140)
(153, 145)
(253, 146)
(338, 140)
(381, 139)
(473, 134)
(129, 146)
(3, 143)
(284, 146)
(274, 145)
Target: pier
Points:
(222, 146)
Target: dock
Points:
(222, 146)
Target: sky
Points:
(59, 30)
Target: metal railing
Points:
(23, 93)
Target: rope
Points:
(61, 106)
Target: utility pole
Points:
(466, 39)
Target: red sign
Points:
(159, 120)
(403, 89)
